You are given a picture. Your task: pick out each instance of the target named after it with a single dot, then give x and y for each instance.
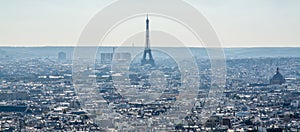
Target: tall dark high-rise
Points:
(147, 50)
(62, 56)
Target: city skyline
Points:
(41, 92)
(159, 65)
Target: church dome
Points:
(277, 78)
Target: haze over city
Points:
(247, 23)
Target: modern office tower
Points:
(62, 56)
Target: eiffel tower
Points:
(147, 50)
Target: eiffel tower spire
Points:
(147, 50)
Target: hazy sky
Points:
(239, 23)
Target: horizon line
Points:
(226, 47)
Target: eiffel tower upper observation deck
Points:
(147, 50)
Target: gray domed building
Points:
(277, 78)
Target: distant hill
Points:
(262, 52)
(52, 52)
(35, 52)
